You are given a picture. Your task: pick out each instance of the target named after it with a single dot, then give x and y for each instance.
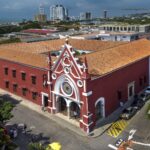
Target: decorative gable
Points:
(67, 63)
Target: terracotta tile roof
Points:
(100, 62)
(103, 62)
(24, 58)
(45, 46)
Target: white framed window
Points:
(131, 90)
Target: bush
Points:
(11, 40)
(148, 111)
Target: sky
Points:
(19, 9)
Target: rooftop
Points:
(104, 62)
(54, 45)
(105, 58)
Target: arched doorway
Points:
(62, 106)
(100, 109)
(74, 110)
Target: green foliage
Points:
(131, 21)
(4, 139)
(77, 53)
(5, 111)
(11, 40)
(36, 146)
(148, 111)
(31, 25)
(9, 29)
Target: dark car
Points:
(128, 113)
(138, 104)
(144, 96)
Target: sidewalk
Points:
(71, 124)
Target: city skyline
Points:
(16, 9)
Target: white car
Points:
(147, 90)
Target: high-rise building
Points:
(105, 14)
(66, 14)
(41, 16)
(58, 12)
(85, 16)
(41, 9)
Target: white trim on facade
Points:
(102, 100)
(43, 94)
(86, 124)
(131, 84)
(87, 94)
(88, 116)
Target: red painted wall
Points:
(38, 87)
(107, 86)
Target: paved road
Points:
(50, 130)
(38, 124)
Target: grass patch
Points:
(148, 111)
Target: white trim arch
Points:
(75, 89)
(102, 100)
(68, 102)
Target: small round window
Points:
(80, 83)
(54, 76)
(67, 70)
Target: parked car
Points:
(128, 113)
(138, 104)
(147, 90)
(144, 96)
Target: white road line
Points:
(139, 143)
(112, 146)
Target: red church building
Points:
(86, 87)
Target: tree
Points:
(4, 138)
(5, 111)
(36, 146)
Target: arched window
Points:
(100, 108)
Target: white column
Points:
(68, 108)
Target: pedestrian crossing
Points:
(116, 128)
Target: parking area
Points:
(116, 128)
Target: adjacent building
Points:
(85, 87)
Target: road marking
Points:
(32, 127)
(139, 143)
(116, 128)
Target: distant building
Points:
(58, 12)
(66, 14)
(85, 16)
(105, 14)
(41, 9)
(118, 36)
(125, 28)
(41, 16)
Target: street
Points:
(49, 131)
